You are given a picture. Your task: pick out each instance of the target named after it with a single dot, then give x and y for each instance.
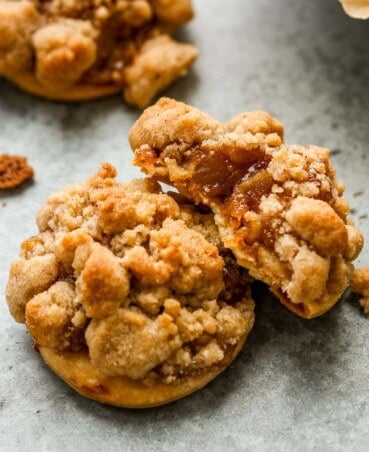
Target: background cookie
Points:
(73, 50)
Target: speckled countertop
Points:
(297, 385)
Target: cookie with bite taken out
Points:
(278, 207)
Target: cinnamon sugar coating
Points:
(14, 171)
(278, 207)
(122, 43)
(138, 280)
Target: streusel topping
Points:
(136, 279)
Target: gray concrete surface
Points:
(297, 385)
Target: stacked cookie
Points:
(137, 297)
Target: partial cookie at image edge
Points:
(358, 9)
(73, 51)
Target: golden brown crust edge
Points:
(29, 83)
(77, 371)
(307, 311)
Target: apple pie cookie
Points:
(128, 294)
(78, 50)
(278, 207)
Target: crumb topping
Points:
(278, 207)
(360, 285)
(125, 43)
(14, 171)
(135, 278)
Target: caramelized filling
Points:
(145, 156)
(237, 184)
(216, 175)
(118, 42)
(268, 235)
(252, 187)
(236, 278)
(116, 52)
(219, 174)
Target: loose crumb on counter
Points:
(14, 171)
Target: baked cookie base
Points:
(306, 311)
(29, 83)
(77, 371)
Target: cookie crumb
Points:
(360, 285)
(14, 171)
